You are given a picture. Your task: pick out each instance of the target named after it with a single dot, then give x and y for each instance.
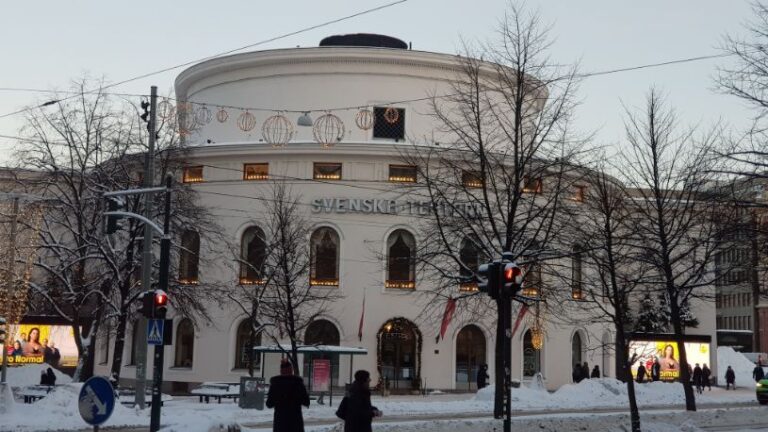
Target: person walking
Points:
(730, 378)
(656, 370)
(286, 395)
(757, 372)
(356, 409)
(706, 380)
(697, 378)
(595, 372)
(641, 374)
(585, 371)
(482, 376)
(576, 374)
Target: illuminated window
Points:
(470, 257)
(471, 179)
(324, 258)
(401, 260)
(532, 282)
(578, 193)
(192, 174)
(402, 173)
(189, 257)
(577, 292)
(327, 171)
(389, 122)
(256, 171)
(242, 346)
(253, 250)
(532, 185)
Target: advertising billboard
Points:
(41, 343)
(667, 354)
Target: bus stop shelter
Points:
(313, 349)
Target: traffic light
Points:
(488, 279)
(113, 204)
(511, 278)
(160, 302)
(147, 304)
(154, 304)
(3, 330)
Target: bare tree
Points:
(676, 229)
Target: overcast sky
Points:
(47, 43)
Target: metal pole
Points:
(165, 262)
(507, 352)
(10, 283)
(146, 261)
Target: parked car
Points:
(761, 391)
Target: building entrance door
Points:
(399, 345)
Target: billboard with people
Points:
(41, 343)
(661, 358)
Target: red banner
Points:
(450, 307)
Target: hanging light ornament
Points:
(537, 338)
(203, 116)
(391, 115)
(222, 115)
(364, 119)
(246, 121)
(186, 123)
(328, 130)
(277, 130)
(165, 109)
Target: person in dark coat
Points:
(655, 370)
(482, 376)
(698, 378)
(757, 372)
(595, 372)
(356, 409)
(286, 395)
(576, 375)
(51, 377)
(585, 371)
(730, 378)
(641, 374)
(706, 373)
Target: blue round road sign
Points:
(96, 401)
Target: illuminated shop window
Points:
(324, 258)
(401, 260)
(253, 250)
(192, 174)
(472, 179)
(256, 171)
(327, 171)
(402, 173)
(189, 257)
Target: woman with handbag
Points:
(356, 409)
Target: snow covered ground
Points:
(535, 410)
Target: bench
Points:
(34, 393)
(127, 397)
(217, 391)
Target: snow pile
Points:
(741, 365)
(21, 376)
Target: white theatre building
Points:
(358, 219)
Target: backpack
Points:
(342, 411)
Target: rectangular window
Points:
(402, 173)
(193, 174)
(389, 123)
(471, 179)
(577, 292)
(578, 193)
(531, 282)
(532, 185)
(327, 171)
(256, 171)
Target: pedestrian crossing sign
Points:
(155, 332)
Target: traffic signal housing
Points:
(160, 301)
(488, 279)
(511, 278)
(154, 304)
(114, 203)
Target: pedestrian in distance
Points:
(585, 371)
(655, 370)
(356, 409)
(595, 372)
(286, 395)
(706, 377)
(730, 378)
(697, 378)
(576, 374)
(757, 372)
(641, 373)
(482, 376)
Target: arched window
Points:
(469, 255)
(253, 250)
(322, 332)
(189, 257)
(531, 356)
(185, 343)
(401, 260)
(577, 291)
(242, 346)
(324, 257)
(532, 282)
(576, 349)
(134, 343)
(470, 356)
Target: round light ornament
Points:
(364, 119)
(246, 121)
(222, 115)
(537, 338)
(277, 130)
(391, 115)
(203, 115)
(328, 130)
(165, 109)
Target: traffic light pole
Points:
(506, 319)
(165, 262)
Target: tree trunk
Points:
(685, 376)
(622, 352)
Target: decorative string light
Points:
(222, 115)
(328, 130)
(391, 115)
(364, 119)
(246, 121)
(203, 115)
(277, 130)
